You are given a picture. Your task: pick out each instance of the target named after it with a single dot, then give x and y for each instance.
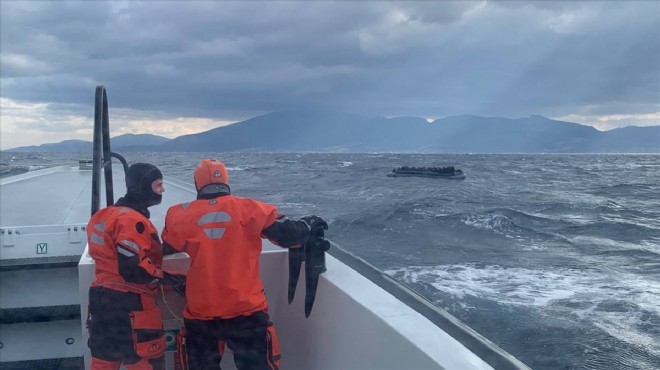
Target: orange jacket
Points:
(223, 238)
(125, 247)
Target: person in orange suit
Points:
(225, 300)
(125, 324)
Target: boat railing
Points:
(102, 155)
(488, 351)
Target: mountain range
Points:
(326, 131)
(132, 142)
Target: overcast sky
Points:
(173, 68)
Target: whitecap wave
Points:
(495, 222)
(621, 304)
(652, 245)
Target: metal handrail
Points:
(102, 155)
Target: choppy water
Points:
(556, 258)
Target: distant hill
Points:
(327, 131)
(122, 142)
(344, 132)
(631, 139)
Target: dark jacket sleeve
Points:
(287, 233)
(135, 267)
(131, 270)
(133, 249)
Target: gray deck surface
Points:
(64, 198)
(50, 199)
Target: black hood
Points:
(139, 178)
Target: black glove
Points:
(177, 282)
(314, 222)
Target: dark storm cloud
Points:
(235, 59)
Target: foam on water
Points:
(496, 222)
(621, 304)
(652, 245)
(236, 168)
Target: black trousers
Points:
(110, 331)
(252, 339)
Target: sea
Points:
(553, 257)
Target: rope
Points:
(162, 291)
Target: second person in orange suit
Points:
(125, 324)
(226, 303)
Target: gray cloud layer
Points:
(231, 60)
